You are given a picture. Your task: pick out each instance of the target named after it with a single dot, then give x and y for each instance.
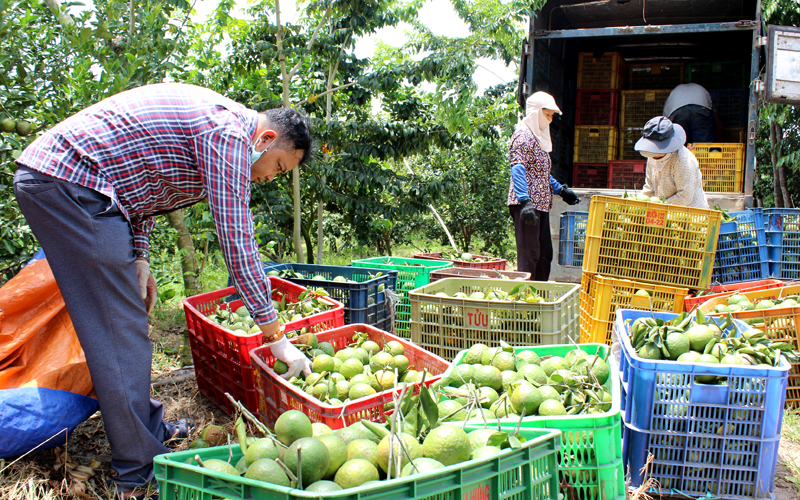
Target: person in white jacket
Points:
(672, 173)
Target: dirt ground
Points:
(86, 457)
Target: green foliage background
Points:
(55, 63)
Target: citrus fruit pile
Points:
(688, 339)
(642, 197)
(240, 322)
(361, 369)
(738, 302)
(311, 456)
(492, 383)
(520, 293)
(290, 273)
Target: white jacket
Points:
(678, 180)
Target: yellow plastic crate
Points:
(627, 140)
(601, 296)
(651, 242)
(638, 106)
(595, 144)
(605, 72)
(722, 166)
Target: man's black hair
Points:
(293, 130)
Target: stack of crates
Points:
(642, 255)
(783, 239)
(597, 117)
(609, 120)
(638, 106)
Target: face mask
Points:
(662, 161)
(255, 155)
(543, 121)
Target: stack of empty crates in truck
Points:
(614, 101)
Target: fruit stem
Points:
(286, 470)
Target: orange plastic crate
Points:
(222, 358)
(492, 263)
(276, 395)
(780, 324)
(601, 296)
(692, 301)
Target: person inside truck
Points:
(689, 105)
(672, 174)
(530, 195)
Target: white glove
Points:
(292, 356)
(147, 284)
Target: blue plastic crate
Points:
(783, 240)
(741, 249)
(716, 439)
(364, 301)
(572, 238)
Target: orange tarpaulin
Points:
(38, 345)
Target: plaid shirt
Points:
(159, 148)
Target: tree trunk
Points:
(296, 238)
(189, 267)
(306, 231)
(774, 144)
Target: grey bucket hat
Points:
(661, 136)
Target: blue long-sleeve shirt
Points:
(520, 186)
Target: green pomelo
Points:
(268, 471)
(447, 444)
(293, 425)
(315, 459)
(263, 448)
(355, 473)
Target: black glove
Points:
(569, 196)
(528, 213)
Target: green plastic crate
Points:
(527, 473)
(590, 464)
(447, 325)
(411, 274)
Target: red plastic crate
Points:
(590, 175)
(597, 107)
(276, 395)
(626, 174)
(691, 302)
(222, 358)
(494, 263)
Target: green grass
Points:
(791, 432)
(791, 425)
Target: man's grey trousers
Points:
(89, 246)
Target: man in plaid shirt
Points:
(90, 187)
